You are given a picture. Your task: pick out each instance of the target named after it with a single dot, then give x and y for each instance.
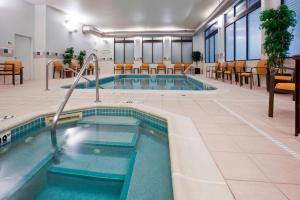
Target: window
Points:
(240, 7)
(211, 44)
(254, 35)
(157, 50)
(124, 50)
(147, 50)
(295, 6)
(242, 33)
(181, 50)
(152, 50)
(187, 50)
(229, 43)
(240, 39)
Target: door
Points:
(23, 52)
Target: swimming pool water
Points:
(148, 82)
(99, 160)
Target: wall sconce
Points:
(71, 25)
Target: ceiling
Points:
(137, 15)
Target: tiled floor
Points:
(258, 156)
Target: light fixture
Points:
(71, 25)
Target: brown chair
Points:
(260, 70)
(57, 67)
(220, 71)
(230, 70)
(187, 66)
(70, 72)
(91, 69)
(161, 67)
(128, 67)
(145, 67)
(178, 67)
(281, 87)
(240, 67)
(119, 67)
(12, 68)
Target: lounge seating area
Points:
(12, 68)
(160, 68)
(68, 71)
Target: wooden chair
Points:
(144, 67)
(161, 67)
(57, 67)
(178, 67)
(12, 68)
(119, 67)
(69, 72)
(187, 67)
(282, 87)
(128, 67)
(220, 71)
(91, 69)
(260, 70)
(230, 70)
(240, 67)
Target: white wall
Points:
(58, 37)
(16, 17)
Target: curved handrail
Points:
(67, 97)
(47, 73)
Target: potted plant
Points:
(68, 55)
(278, 25)
(81, 58)
(197, 56)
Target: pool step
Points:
(101, 160)
(84, 173)
(102, 135)
(65, 184)
(110, 120)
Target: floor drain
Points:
(183, 95)
(6, 117)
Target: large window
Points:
(242, 33)
(211, 44)
(181, 50)
(152, 50)
(124, 50)
(295, 45)
(240, 39)
(229, 41)
(254, 35)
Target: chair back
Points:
(73, 66)
(261, 67)
(161, 66)
(145, 66)
(119, 67)
(57, 66)
(240, 66)
(9, 65)
(185, 66)
(91, 66)
(217, 66)
(177, 66)
(231, 66)
(128, 66)
(223, 66)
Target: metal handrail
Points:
(67, 97)
(47, 73)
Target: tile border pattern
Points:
(21, 130)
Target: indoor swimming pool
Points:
(107, 154)
(148, 82)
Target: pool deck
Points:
(257, 156)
